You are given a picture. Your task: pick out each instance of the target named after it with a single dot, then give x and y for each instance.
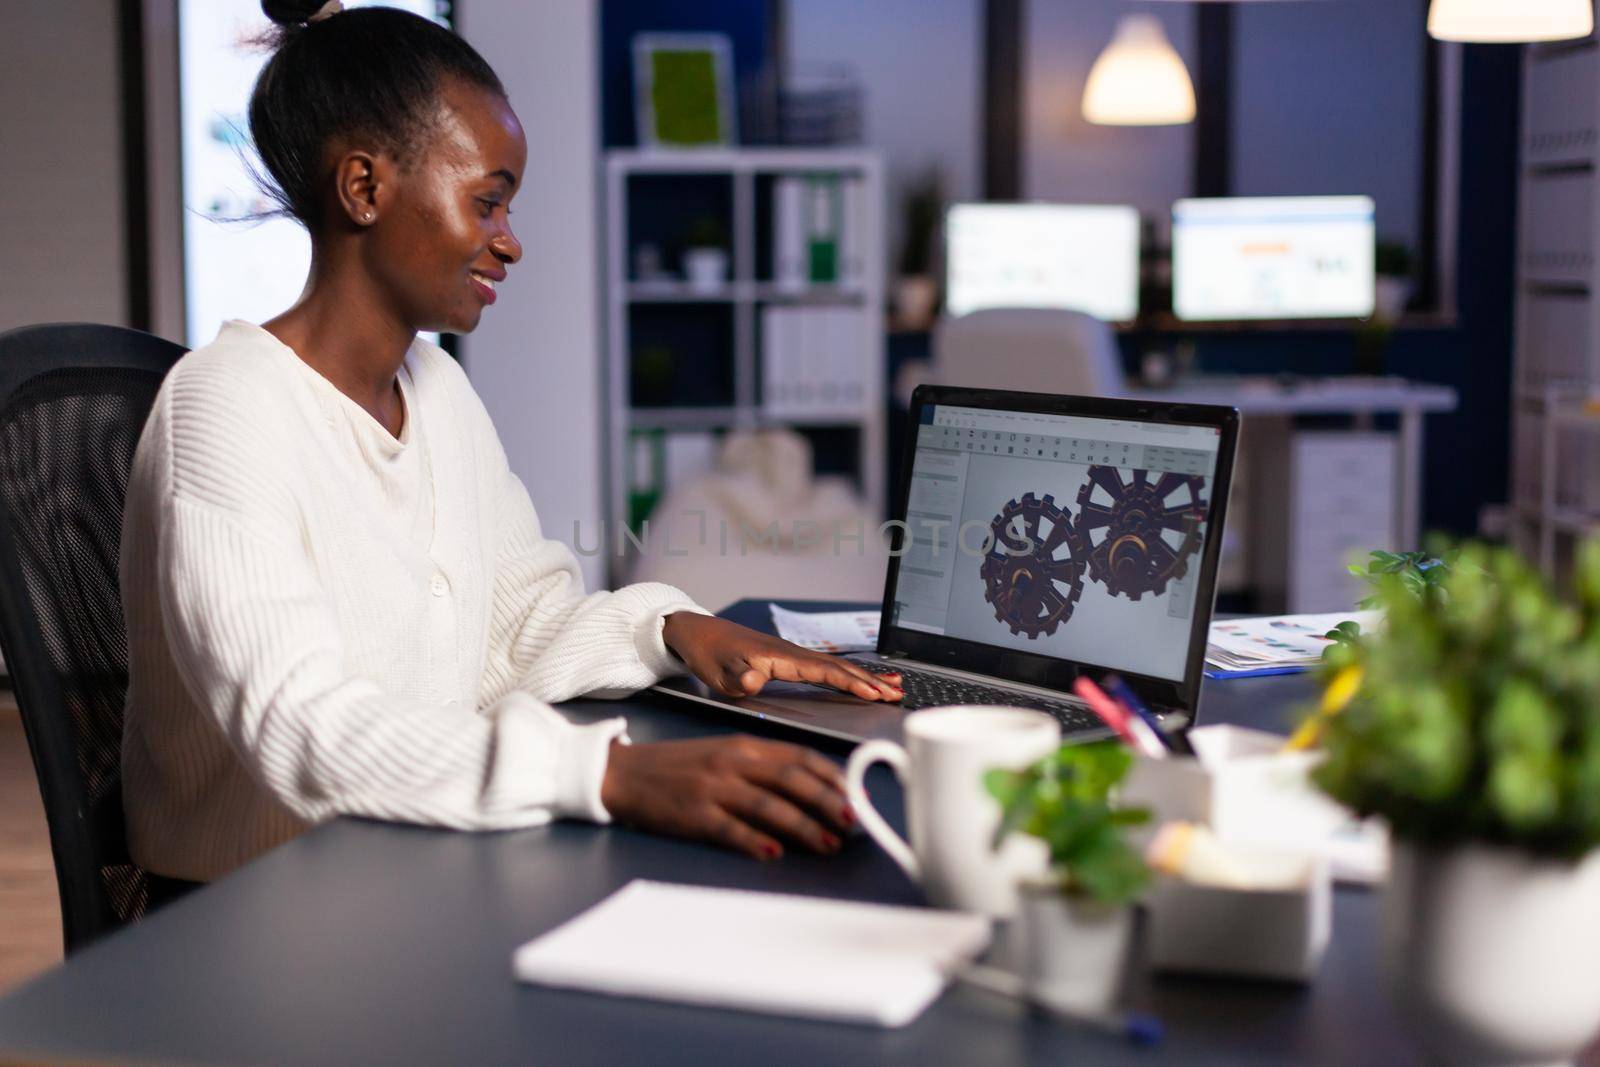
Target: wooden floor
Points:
(30, 914)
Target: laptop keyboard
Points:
(925, 689)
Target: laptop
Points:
(1037, 538)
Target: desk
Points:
(366, 943)
(1276, 513)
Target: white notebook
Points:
(766, 952)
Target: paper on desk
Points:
(828, 631)
(765, 952)
(1277, 641)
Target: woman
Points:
(338, 598)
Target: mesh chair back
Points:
(73, 401)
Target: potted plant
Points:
(1392, 263)
(916, 291)
(1472, 726)
(705, 260)
(1075, 924)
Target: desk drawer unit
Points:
(1342, 506)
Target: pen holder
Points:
(1256, 933)
(1248, 790)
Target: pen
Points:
(1122, 691)
(1127, 726)
(1335, 698)
(1137, 1029)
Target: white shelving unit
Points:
(1555, 492)
(749, 174)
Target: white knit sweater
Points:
(323, 620)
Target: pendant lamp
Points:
(1139, 80)
(1510, 21)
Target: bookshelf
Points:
(1555, 429)
(688, 362)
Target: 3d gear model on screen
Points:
(1032, 572)
(1133, 557)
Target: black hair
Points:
(372, 72)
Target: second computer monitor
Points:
(1291, 257)
(1075, 256)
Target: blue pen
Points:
(1124, 692)
(1137, 1029)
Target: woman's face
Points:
(443, 240)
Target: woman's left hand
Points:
(737, 661)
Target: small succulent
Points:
(1066, 800)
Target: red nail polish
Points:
(830, 842)
(771, 851)
(848, 817)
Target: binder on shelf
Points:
(646, 474)
(822, 229)
(789, 268)
(853, 233)
(814, 361)
(690, 454)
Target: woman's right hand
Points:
(733, 791)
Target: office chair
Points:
(73, 401)
(1035, 350)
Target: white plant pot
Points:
(1073, 949)
(1492, 954)
(915, 298)
(706, 269)
(1390, 297)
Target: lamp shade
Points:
(1508, 21)
(1139, 80)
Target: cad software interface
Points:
(1274, 257)
(1072, 537)
(1079, 257)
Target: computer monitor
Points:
(1076, 256)
(1292, 257)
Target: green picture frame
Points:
(683, 90)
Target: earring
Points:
(366, 216)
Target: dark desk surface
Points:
(367, 943)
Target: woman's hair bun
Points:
(291, 12)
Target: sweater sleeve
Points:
(258, 646)
(547, 638)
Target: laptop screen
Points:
(1073, 537)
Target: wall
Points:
(536, 357)
(1325, 103)
(921, 63)
(62, 216)
(1066, 157)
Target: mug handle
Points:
(855, 774)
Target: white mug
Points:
(952, 816)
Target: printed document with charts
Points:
(1275, 643)
(765, 952)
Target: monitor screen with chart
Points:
(1080, 257)
(1292, 257)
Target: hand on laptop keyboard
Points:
(737, 661)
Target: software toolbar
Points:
(1125, 454)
